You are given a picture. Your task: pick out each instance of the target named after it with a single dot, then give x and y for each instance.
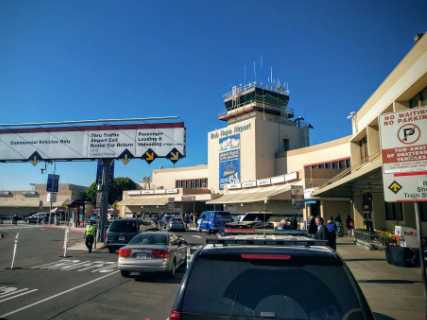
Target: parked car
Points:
(165, 219)
(213, 221)
(39, 217)
(120, 232)
(150, 252)
(269, 277)
(176, 224)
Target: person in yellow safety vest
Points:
(90, 234)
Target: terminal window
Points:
(419, 100)
(192, 183)
(393, 211)
(423, 210)
(337, 164)
(285, 144)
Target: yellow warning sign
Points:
(395, 187)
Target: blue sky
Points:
(62, 60)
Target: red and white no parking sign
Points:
(404, 153)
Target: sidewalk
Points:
(396, 292)
(80, 246)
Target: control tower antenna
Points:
(271, 74)
(254, 71)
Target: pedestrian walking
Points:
(331, 233)
(320, 229)
(312, 227)
(339, 225)
(90, 234)
(350, 226)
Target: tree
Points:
(119, 185)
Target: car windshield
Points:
(149, 239)
(284, 290)
(256, 217)
(124, 226)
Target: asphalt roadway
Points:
(45, 285)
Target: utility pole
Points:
(104, 187)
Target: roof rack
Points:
(255, 231)
(273, 242)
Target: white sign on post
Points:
(404, 153)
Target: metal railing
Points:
(242, 88)
(371, 237)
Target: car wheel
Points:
(111, 250)
(125, 274)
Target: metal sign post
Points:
(66, 236)
(404, 156)
(15, 247)
(421, 251)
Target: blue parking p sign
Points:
(52, 183)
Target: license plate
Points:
(122, 238)
(142, 256)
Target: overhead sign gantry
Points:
(87, 142)
(104, 140)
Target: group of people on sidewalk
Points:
(329, 231)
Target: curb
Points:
(72, 229)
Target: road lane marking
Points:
(11, 291)
(42, 266)
(58, 294)
(80, 266)
(18, 295)
(19, 227)
(197, 236)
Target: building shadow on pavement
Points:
(380, 316)
(388, 281)
(160, 278)
(363, 259)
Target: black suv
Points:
(120, 232)
(268, 277)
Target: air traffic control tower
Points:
(260, 128)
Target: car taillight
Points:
(125, 252)
(175, 315)
(163, 254)
(258, 256)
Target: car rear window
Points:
(224, 215)
(254, 217)
(124, 226)
(261, 289)
(149, 239)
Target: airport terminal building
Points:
(262, 160)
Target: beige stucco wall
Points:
(276, 207)
(405, 75)
(165, 178)
(332, 150)
(19, 203)
(269, 141)
(331, 208)
(247, 152)
(259, 144)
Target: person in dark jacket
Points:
(321, 229)
(332, 233)
(312, 227)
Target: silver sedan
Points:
(155, 251)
